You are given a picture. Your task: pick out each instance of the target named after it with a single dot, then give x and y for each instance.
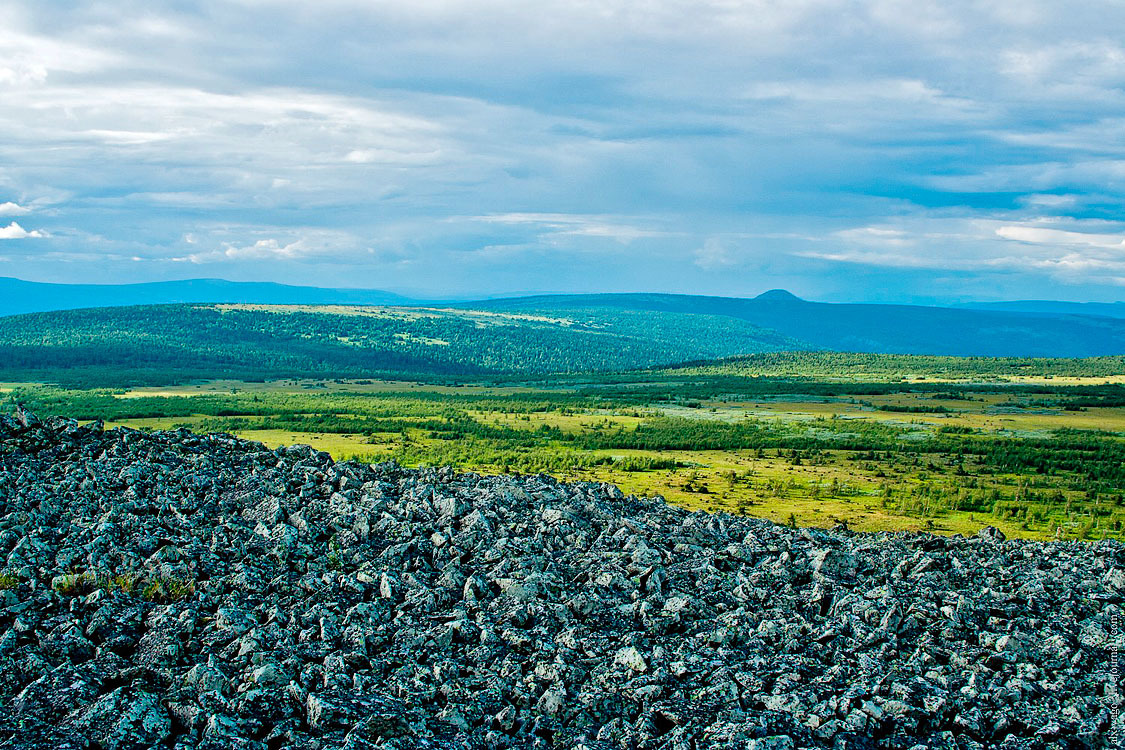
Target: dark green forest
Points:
(167, 344)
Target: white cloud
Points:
(391, 156)
(1065, 250)
(904, 91)
(576, 225)
(261, 128)
(1045, 175)
(1066, 64)
(13, 209)
(1050, 200)
(268, 249)
(125, 137)
(15, 232)
(876, 236)
(21, 75)
(883, 258)
(714, 255)
(1038, 235)
(30, 58)
(300, 246)
(1102, 136)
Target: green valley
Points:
(690, 398)
(873, 441)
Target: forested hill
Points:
(18, 296)
(1020, 329)
(533, 335)
(173, 343)
(898, 329)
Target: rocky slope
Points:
(185, 591)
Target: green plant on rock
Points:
(334, 562)
(125, 583)
(75, 584)
(161, 589)
(167, 590)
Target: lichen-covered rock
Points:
(125, 719)
(199, 591)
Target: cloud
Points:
(15, 232)
(1051, 201)
(1069, 65)
(13, 209)
(882, 258)
(714, 255)
(30, 57)
(21, 75)
(635, 144)
(269, 249)
(576, 225)
(876, 236)
(301, 245)
(1047, 236)
(1060, 250)
(390, 156)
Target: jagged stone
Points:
(232, 596)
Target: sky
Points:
(916, 151)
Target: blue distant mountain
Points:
(1029, 328)
(881, 328)
(1104, 309)
(17, 296)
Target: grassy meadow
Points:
(938, 445)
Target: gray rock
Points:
(125, 719)
(283, 600)
(834, 563)
(991, 534)
(379, 716)
(776, 742)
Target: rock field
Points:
(176, 590)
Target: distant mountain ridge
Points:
(878, 328)
(18, 296)
(1011, 329)
(1103, 309)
